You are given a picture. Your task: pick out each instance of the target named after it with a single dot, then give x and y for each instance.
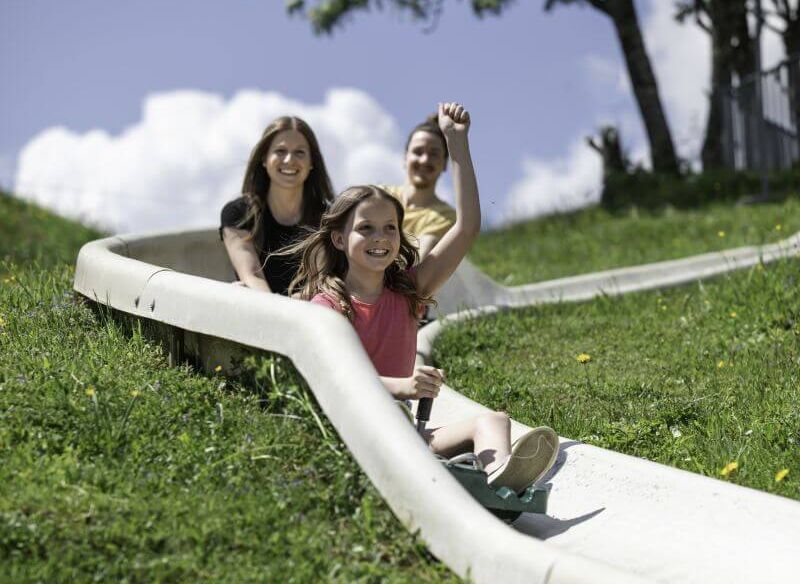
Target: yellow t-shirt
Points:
(435, 220)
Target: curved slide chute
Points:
(615, 518)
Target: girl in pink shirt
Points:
(359, 263)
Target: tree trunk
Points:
(645, 87)
(791, 42)
(731, 51)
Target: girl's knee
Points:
(493, 421)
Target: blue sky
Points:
(535, 82)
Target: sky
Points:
(141, 115)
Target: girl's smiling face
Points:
(371, 237)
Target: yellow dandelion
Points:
(135, 393)
(733, 314)
(90, 391)
(778, 227)
(720, 234)
(729, 468)
(218, 368)
(721, 364)
(583, 358)
(2, 321)
(781, 474)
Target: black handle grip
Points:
(424, 409)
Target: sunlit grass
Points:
(702, 377)
(115, 467)
(594, 239)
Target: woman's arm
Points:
(443, 259)
(244, 258)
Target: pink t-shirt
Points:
(386, 329)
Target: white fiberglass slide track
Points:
(611, 519)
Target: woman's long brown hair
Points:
(323, 267)
(317, 189)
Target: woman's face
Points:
(288, 159)
(425, 159)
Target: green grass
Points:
(594, 239)
(115, 467)
(28, 233)
(694, 377)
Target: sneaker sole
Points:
(532, 455)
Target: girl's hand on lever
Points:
(425, 382)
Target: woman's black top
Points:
(271, 236)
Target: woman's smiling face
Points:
(371, 237)
(288, 159)
(425, 159)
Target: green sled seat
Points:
(501, 501)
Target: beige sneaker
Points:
(532, 455)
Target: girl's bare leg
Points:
(487, 435)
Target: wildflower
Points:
(2, 322)
(218, 368)
(781, 474)
(778, 227)
(663, 307)
(583, 358)
(135, 393)
(721, 364)
(90, 392)
(720, 234)
(729, 468)
(733, 314)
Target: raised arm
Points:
(244, 257)
(443, 259)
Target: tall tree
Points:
(326, 15)
(784, 18)
(732, 51)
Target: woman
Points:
(427, 217)
(286, 189)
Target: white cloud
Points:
(185, 158)
(551, 186)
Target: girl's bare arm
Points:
(443, 259)
(426, 243)
(244, 258)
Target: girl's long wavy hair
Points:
(317, 189)
(323, 267)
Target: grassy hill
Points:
(594, 239)
(703, 377)
(115, 467)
